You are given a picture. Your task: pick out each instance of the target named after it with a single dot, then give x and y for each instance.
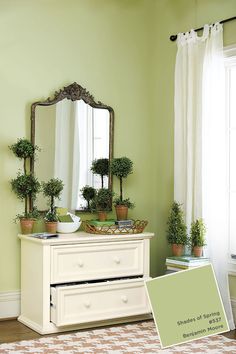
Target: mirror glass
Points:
(70, 135)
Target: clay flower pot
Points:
(177, 249)
(26, 226)
(102, 215)
(121, 212)
(51, 226)
(197, 251)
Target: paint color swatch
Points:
(186, 305)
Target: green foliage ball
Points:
(23, 149)
(52, 188)
(121, 167)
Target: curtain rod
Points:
(174, 36)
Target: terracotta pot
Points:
(177, 249)
(102, 215)
(26, 226)
(197, 251)
(51, 226)
(121, 212)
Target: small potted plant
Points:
(122, 207)
(102, 202)
(52, 189)
(197, 237)
(100, 167)
(177, 230)
(121, 167)
(88, 193)
(26, 187)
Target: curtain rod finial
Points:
(173, 37)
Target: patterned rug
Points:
(139, 337)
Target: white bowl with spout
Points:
(69, 227)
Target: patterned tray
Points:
(137, 228)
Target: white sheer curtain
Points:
(66, 162)
(200, 145)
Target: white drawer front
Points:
(95, 302)
(96, 261)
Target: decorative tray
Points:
(137, 228)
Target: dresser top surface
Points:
(84, 237)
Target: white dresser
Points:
(82, 280)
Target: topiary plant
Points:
(121, 167)
(177, 230)
(125, 202)
(24, 149)
(100, 167)
(25, 187)
(88, 194)
(52, 189)
(197, 233)
(103, 199)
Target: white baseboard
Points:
(9, 304)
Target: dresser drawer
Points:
(96, 261)
(100, 301)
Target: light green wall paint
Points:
(101, 44)
(119, 50)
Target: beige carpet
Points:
(140, 337)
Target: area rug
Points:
(138, 337)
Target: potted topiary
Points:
(88, 193)
(122, 207)
(52, 189)
(177, 230)
(100, 167)
(197, 237)
(26, 186)
(121, 167)
(102, 202)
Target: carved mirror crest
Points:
(72, 130)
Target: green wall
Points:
(101, 44)
(120, 51)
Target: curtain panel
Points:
(200, 183)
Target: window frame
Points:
(230, 60)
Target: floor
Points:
(14, 331)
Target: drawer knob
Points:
(124, 299)
(87, 304)
(117, 260)
(80, 264)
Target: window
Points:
(230, 66)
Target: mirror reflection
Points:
(71, 134)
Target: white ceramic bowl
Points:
(69, 227)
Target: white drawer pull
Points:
(87, 304)
(80, 264)
(124, 298)
(117, 260)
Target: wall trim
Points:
(233, 304)
(9, 304)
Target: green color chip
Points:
(186, 305)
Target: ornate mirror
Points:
(72, 130)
